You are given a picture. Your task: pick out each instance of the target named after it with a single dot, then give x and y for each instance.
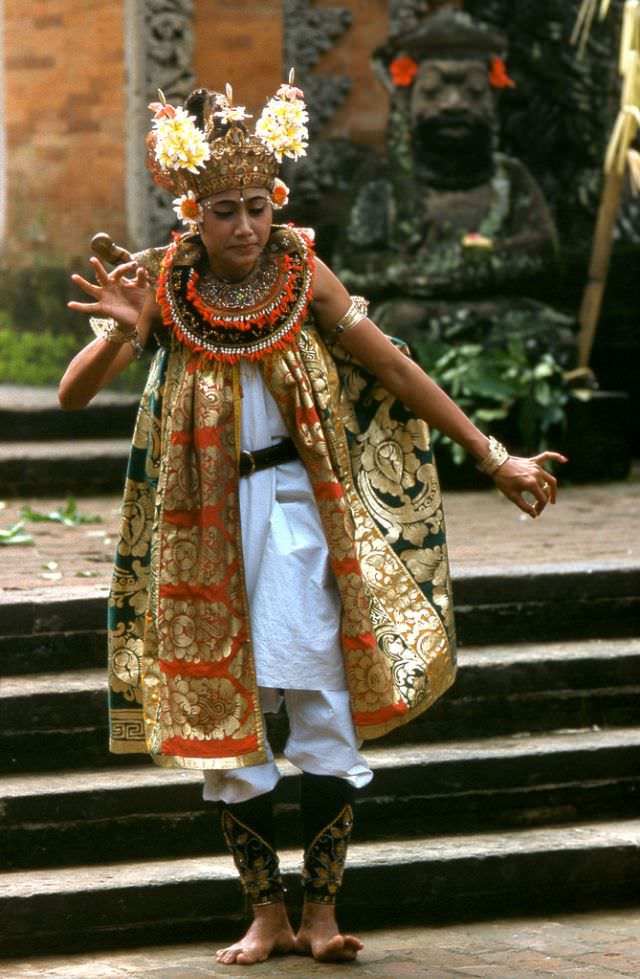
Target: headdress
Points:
(206, 147)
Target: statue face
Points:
(451, 111)
(445, 88)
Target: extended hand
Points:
(115, 294)
(517, 476)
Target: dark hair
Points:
(202, 104)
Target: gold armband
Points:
(494, 458)
(355, 314)
(107, 329)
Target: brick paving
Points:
(586, 946)
(596, 524)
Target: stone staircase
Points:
(44, 450)
(517, 793)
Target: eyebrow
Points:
(234, 202)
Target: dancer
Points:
(283, 534)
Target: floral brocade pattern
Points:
(182, 676)
(325, 858)
(256, 862)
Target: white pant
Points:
(322, 741)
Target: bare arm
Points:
(411, 385)
(128, 301)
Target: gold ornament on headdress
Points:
(197, 162)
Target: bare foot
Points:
(270, 933)
(319, 936)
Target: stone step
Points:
(423, 880)
(545, 602)
(532, 687)
(46, 629)
(30, 413)
(499, 691)
(500, 783)
(79, 467)
(566, 601)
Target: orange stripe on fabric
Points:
(209, 749)
(203, 593)
(348, 565)
(207, 516)
(179, 667)
(365, 640)
(181, 438)
(362, 719)
(200, 437)
(204, 437)
(307, 416)
(328, 491)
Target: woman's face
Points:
(235, 228)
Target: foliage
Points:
(501, 385)
(27, 357)
(69, 516)
(39, 358)
(16, 534)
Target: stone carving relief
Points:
(568, 102)
(159, 54)
(308, 34)
(405, 14)
(323, 177)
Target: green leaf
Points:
(542, 394)
(15, 535)
(490, 414)
(582, 394)
(68, 515)
(543, 369)
(496, 384)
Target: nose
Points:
(243, 224)
(451, 98)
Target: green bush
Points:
(34, 358)
(40, 358)
(501, 386)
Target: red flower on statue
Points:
(498, 77)
(403, 70)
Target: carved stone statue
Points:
(448, 233)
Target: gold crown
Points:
(237, 160)
(213, 150)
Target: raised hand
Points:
(119, 294)
(518, 475)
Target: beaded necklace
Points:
(233, 321)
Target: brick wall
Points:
(362, 116)
(64, 118)
(240, 42)
(65, 113)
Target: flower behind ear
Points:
(498, 77)
(279, 194)
(188, 209)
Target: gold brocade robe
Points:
(182, 678)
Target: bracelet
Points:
(107, 329)
(355, 314)
(494, 458)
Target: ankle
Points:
(274, 914)
(317, 915)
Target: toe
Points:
(227, 956)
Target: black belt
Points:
(274, 455)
